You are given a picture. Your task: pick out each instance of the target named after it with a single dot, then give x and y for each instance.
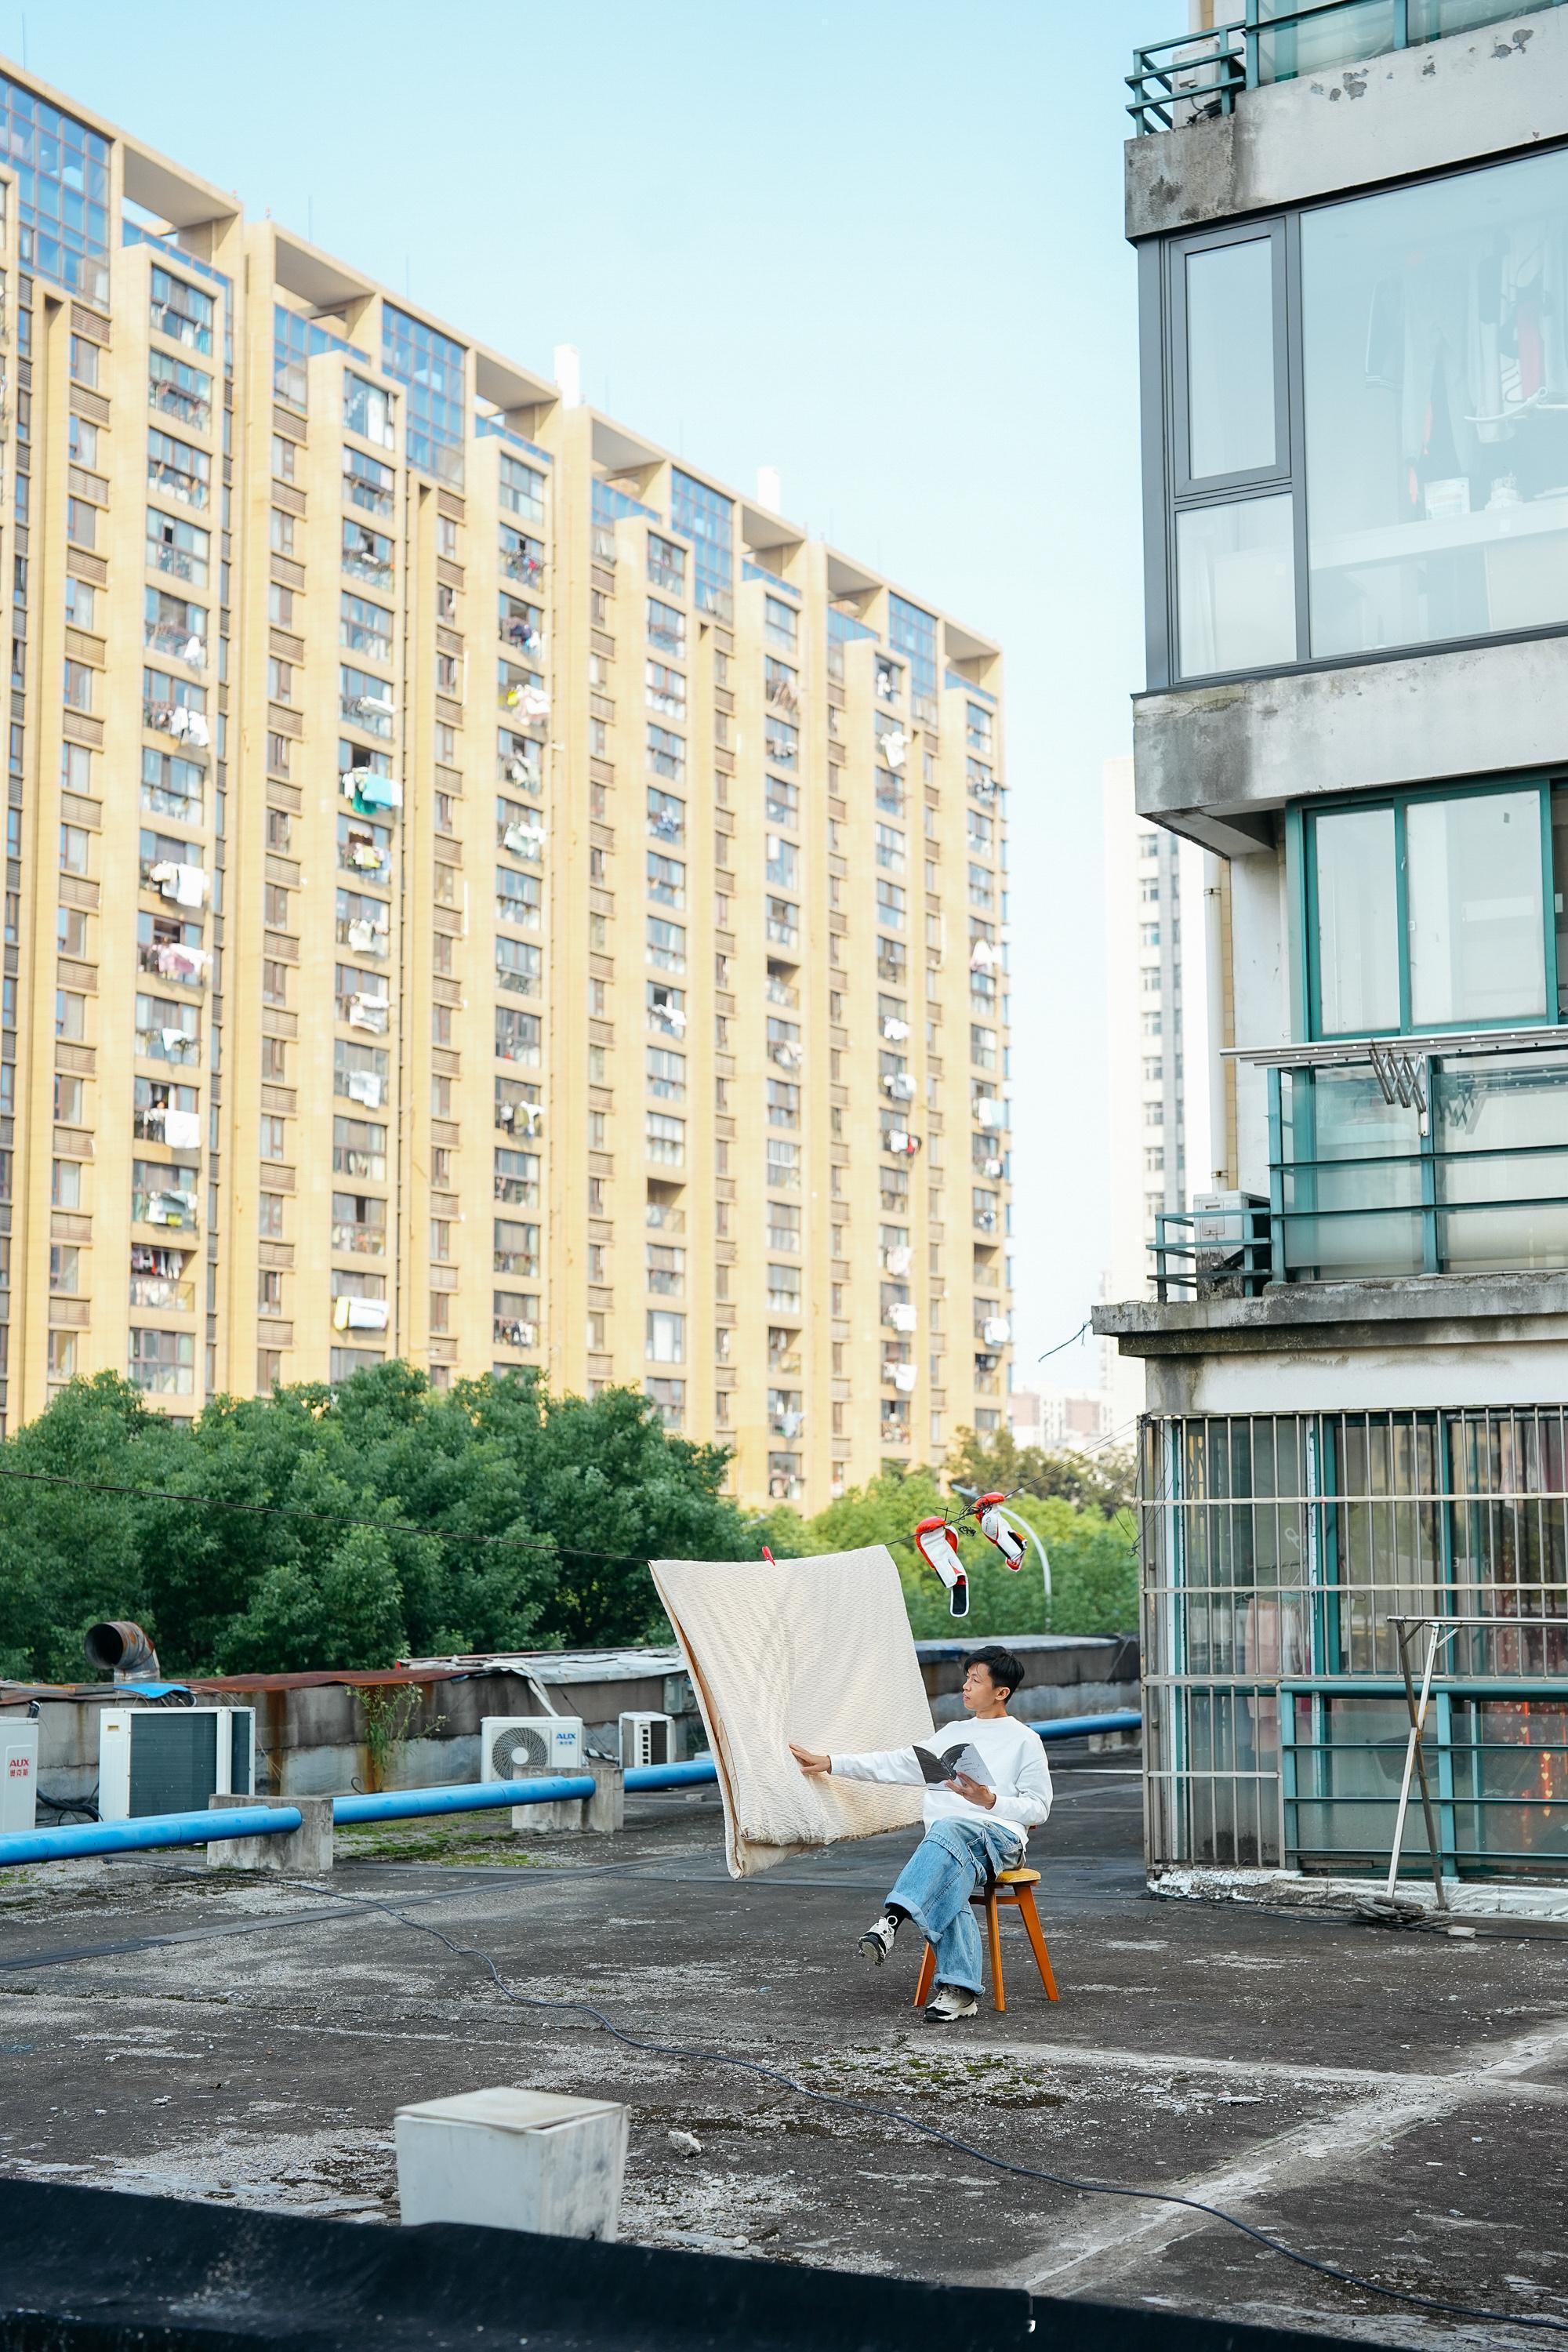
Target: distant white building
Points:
(1062, 1420)
(1158, 909)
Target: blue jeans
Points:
(953, 1861)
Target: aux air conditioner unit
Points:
(517, 1746)
(170, 1759)
(646, 1739)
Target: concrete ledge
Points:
(1215, 761)
(1451, 101)
(1404, 1311)
(1467, 1899)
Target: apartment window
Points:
(78, 685)
(519, 965)
(517, 1178)
(666, 1340)
(665, 816)
(180, 310)
(666, 880)
(274, 1143)
(784, 1103)
(365, 628)
(782, 922)
(367, 411)
(666, 755)
(174, 387)
(667, 628)
(784, 1224)
(892, 900)
(515, 1248)
(366, 701)
(665, 1073)
(666, 1269)
(705, 517)
(518, 897)
(359, 1149)
(666, 1139)
(1387, 512)
(665, 689)
(274, 982)
(65, 1184)
(81, 605)
(359, 1223)
(70, 1016)
(780, 741)
(521, 487)
(665, 564)
(665, 1008)
(783, 863)
(1431, 910)
(781, 624)
(83, 361)
(177, 468)
(518, 1037)
(783, 1295)
(889, 849)
(665, 944)
(367, 485)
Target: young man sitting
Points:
(974, 1829)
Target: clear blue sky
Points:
(875, 243)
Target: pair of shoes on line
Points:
(946, 2003)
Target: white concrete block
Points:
(513, 2159)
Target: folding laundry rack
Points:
(1443, 1630)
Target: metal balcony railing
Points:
(1208, 1253)
(1192, 77)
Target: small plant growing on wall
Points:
(388, 1710)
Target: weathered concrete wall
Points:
(1245, 749)
(310, 1742)
(1450, 103)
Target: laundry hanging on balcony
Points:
(998, 1529)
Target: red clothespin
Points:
(768, 1557)
(934, 1540)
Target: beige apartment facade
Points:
(484, 892)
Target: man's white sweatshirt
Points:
(1013, 1756)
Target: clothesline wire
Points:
(1085, 1326)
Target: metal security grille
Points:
(1275, 1547)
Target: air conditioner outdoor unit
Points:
(170, 1759)
(646, 1739)
(516, 1747)
(18, 1776)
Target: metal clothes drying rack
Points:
(1443, 1630)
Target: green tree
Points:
(1103, 1481)
(299, 1530)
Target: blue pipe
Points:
(1079, 1727)
(467, 1796)
(672, 1776)
(149, 1831)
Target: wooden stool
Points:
(1016, 1888)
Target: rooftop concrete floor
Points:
(1395, 2103)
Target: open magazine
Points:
(937, 1767)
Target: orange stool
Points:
(1016, 1889)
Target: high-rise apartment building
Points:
(1353, 232)
(477, 890)
(1157, 1049)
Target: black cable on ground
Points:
(684, 2051)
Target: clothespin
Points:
(768, 1557)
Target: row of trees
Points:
(227, 1537)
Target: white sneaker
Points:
(949, 2001)
(878, 1940)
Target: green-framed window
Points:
(1434, 910)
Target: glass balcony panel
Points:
(1346, 37)
(1352, 1249)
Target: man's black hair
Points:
(1005, 1667)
